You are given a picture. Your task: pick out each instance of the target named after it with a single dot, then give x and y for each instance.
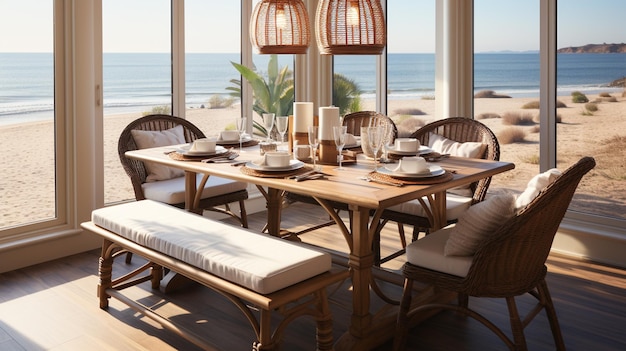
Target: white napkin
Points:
(260, 161)
(350, 139)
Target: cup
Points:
(203, 145)
(407, 144)
(229, 135)
(266, 147)
(413, 165)
(277, 159)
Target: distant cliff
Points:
(595, 49)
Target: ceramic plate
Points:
(434, 171)
(293, 165)
(422, 151)
(185, 151)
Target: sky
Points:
(141, 25)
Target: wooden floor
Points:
(53, 306)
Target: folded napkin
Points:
(260, 161)
(399, 168)
(350, 139)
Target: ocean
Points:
(133, 82)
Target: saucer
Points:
(184, 150)
(293, 165)
(422, 151)
(234, 142)
(433, 171)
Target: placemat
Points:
(281, 174)
(247, 143)
(175, 155)
(412, 181)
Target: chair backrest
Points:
(136, 169)
(354, 121)
(461, 129)
(512, 260)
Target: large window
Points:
(506, 84)
(28, 181)
(208, 68)
(591, 66)
(411, 63)
(137, 76)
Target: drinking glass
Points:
(241, 128)
(281, 125)
(387, 142)
(314, 141)
(268, 122)
(339, 132)
(375, 140)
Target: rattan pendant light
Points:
(350, 27)
(280, 27)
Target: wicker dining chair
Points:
(353, 121)
(458, 129)
(509, 262)
(220, 191)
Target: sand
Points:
(27, 183)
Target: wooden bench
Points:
(258, 273)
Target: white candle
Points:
(302, 116)
(328, 118)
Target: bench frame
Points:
(305, 298)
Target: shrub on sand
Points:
(535, 105)
(578, 97)
(535, 129)
(511, 135)
(217, 101)
(409, 111)
(488, 115)
(489, 94)
(532, 159)
(517, 119)
(604, 95)
(591, 107)
(407, 125)
(158, 110)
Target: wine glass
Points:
(375, 140)
(281, 125)
(268, 122)
(314, 141)
(241, 128)
(339, 132)
(388, 139)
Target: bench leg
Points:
(324, 322)
(105, 270)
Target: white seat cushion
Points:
(535, 185)
(455, 206)
(256, 261)
(172, 191)
(428, 252)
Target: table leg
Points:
(190, 189)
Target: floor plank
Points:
(53, 306)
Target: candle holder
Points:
(328, 152)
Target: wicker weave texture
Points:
(350, 27)
(280, 27)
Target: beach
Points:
(600, 135)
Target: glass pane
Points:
(506, 84)
(208, 68)
(354, 83)
(591, 66)
(411, 63)
(137, 76)
(27, 181)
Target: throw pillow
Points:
(535, 185)
(148, 138)
(477, 223)
(444, 145)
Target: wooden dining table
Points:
(366, 201)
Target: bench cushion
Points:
(172, 191)
(256, 261)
